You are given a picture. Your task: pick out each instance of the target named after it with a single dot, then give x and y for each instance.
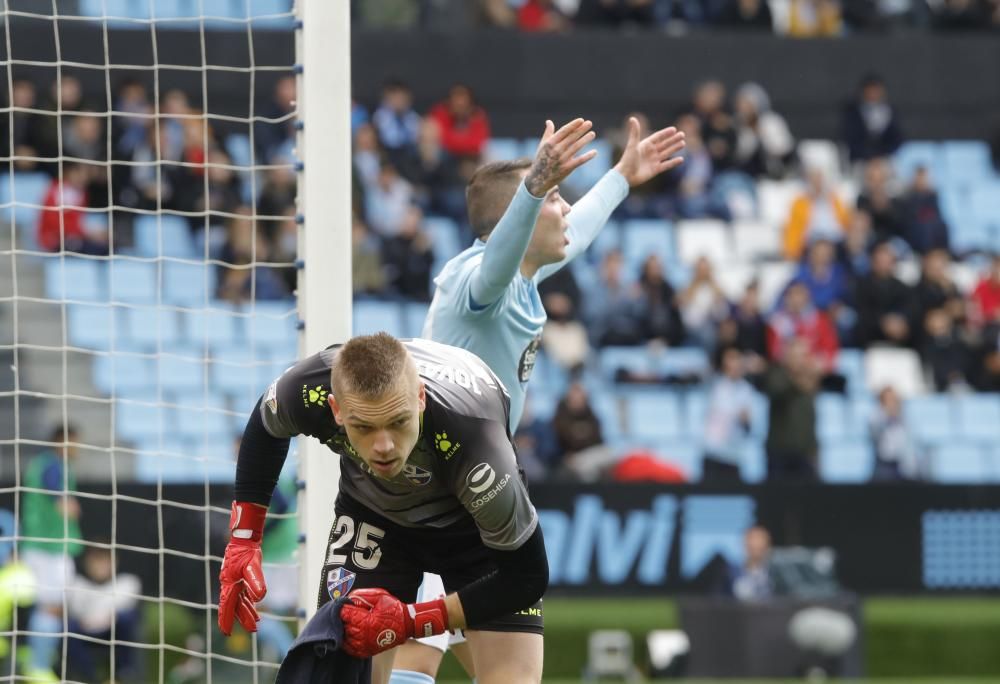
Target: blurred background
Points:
(763, 432)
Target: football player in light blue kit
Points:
(487, 297)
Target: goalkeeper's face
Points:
(383, 430)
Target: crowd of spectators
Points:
(794, 18)
(410, 165)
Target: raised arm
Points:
(555, 159)
(641, 161)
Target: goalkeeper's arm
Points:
(260, 460)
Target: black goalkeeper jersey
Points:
(464, 462)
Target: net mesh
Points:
(147, 276)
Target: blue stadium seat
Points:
(966, 161)
(138, 422)
(75, 279)
(961, 463)
(831, 416)
(695, 407)
(371, 316)
(125, 375)
(606, 407)
(91, 325)
(187, 284)
(216, 326)
(28, 189)
(165, 460)
(609, 238)
(759, 415)
(271, 14)
(502, 149)
(240, 372)
(916, 153)
(969, 233)
(271, 325)
(152, 327)
(684, 361)
(163, 235)
(446, 240)
(584, 177)
(633, 359)
(753, 462)
(979, 416)
(132, 281)
(653, 415)
(846, 461)
(684, 454)
(714, 524)
(203, 417)
(181, 372)
(239, 149)
(414, 315)
(642, 237)
(930, 418)
(851, 364)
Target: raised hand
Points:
(651, 156)
(241, 578)
(556, 156)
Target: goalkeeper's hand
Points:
(375, 621)
(241, 578)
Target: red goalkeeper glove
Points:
(241, 578)
(375, 621)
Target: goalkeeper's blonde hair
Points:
(371, 366)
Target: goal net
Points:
(148, 246)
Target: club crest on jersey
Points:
(338, 582)
(416, 475)
(527, 363)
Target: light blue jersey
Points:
(484, 304)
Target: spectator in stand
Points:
(611, 309)
(367, 272)
(985, 303)
(359, 115)
(367, 156)
(101, 602)
(896, 455)
(537, 450)
(578, 434)
(15, 128)
(764, 144)
(279, 189)
(746, 329)
(854, 250)
(275, 137)
(439, 185)
(541, 16)
(189, 182)
(798, 320)
(884, 303)
(241, 275)
(564, 338)
(791, 386)
(870, 126)
(408, 257)
(717, 128)
(923, 227)
(746, 15)
(43, 130)
(224, 190)
(83, 138)
(130, 123)
(829, 285)
(818, 213)
(464, 126)
(703, 305)
(658, 310)
(396, 122)
(727, 418)
(174, 108)
(61, 221)
(945, 354)
(985, 373)
(694, 176)
(936, 290)
(387, 202)
(284, 238)
(815, 19)
(878, 201)
(754, 581)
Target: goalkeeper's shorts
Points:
(366, 549)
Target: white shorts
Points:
(431, 588)
(53, 572)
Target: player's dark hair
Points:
(370, 366)
(490, 190)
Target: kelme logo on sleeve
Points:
(445, 445)
(314, 396)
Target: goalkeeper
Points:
(428, 481)
(487, 297)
